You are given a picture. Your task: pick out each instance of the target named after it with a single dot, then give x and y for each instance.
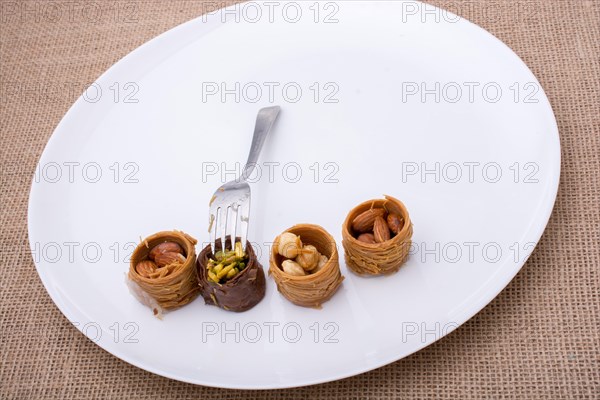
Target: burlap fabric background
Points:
(538, 339)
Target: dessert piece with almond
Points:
(162, 273)
(377, 236)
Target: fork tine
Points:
(212, 229)
(244, 214)
(232, 223)
(222, 224)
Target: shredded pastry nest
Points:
(314, 289)
(171, 286)
(377, 258)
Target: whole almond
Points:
(145, 268)
(366, 238)
(395, 223)
(365, 220)
(164, 259)
(381, 231)
(166, 247)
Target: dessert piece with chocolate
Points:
(232, 279)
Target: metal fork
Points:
(229, 208)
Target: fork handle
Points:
(264, 122)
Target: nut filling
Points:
(227, 264)
(377, 236)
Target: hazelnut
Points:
(292, 268)
(308, 257)
(322, 261)
(289, 245)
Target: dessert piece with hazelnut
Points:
(304, 264)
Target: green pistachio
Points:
(232, 273)
(225, 271)
(239, 251)
(219, 255)
(217, 268)
(227, 264)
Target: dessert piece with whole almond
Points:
(376, 236)
(162, 273)
(304, 264)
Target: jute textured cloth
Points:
(539, 339)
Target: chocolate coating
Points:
(242, 292)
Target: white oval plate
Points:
(377, 98)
